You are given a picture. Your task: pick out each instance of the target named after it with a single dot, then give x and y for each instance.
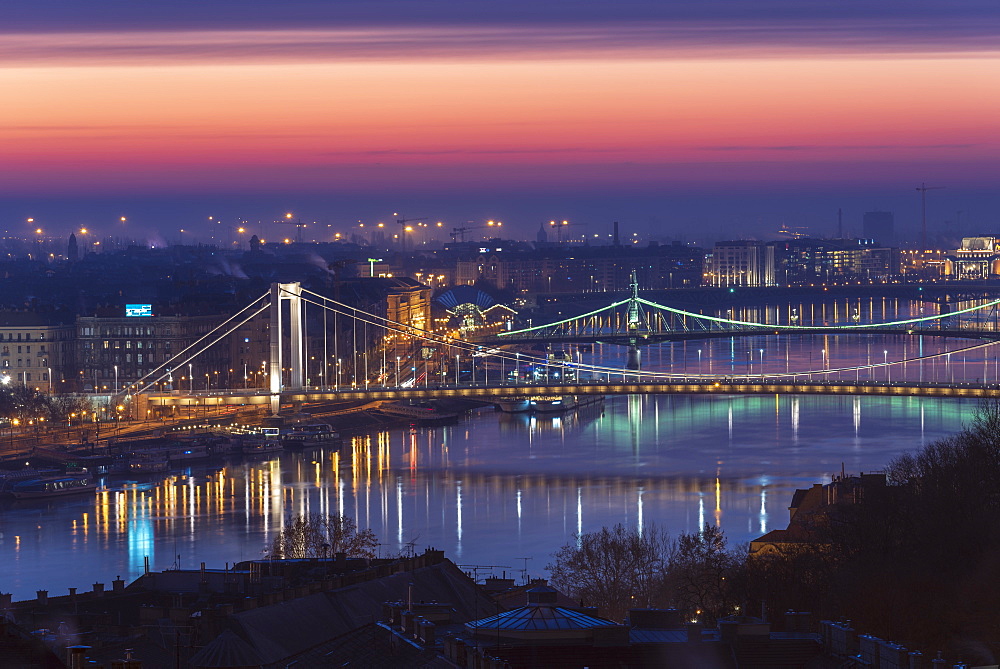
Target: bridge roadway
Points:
(666, 387)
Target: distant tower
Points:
(73, 253)
(255, 244)
(840, 223)
(541, 237)
(617, 240)
(878, 225)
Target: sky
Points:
(716, 119)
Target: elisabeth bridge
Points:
(369, 357)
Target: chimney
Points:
(98, 589)
(76, 656)
(118, 585)
(43, 597)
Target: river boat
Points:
(154, 462)
(304, 436)
(557, 403)
(514, 404)
(53, 486)
(260, 446)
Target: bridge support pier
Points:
(291, 293)
(634, 359)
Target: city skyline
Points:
(666, 117)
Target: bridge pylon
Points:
(291, 293)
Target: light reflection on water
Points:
(491, 490)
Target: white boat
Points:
(563, 402)
(513, 404)
(53, 486)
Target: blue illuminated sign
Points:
(132, 310)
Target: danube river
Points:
(492, 490)
(503, 492)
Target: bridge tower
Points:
(634, 360)
(291, 293)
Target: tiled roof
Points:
(226, 650)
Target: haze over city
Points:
(667, 116)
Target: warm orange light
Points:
(288, 215)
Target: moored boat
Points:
(53, 486)
(513, 404)
(303, 436)
(563, 402)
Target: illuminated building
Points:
(740, 263)
(122, 349)
(977, 258)
(36, 349)
(821, 260)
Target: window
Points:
(45, 376)
(18, 349)
(107, 344)
(27, 377)
(45, 362)
(27, 349)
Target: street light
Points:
(885, 358)
(116, 379)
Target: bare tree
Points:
(322, 535)
(702, 574)
(614, 569)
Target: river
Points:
(503, 492)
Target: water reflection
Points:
(492, 489)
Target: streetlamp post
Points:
(116, 379)
(885, 361)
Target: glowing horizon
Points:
(625, 105)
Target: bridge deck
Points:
(491, 393)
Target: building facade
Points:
(740, 263)
(36, 350)
(114, 352)
(976, 259)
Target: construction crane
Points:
(402, 228)
(287, 220)
(459, 232)
(923, 212)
